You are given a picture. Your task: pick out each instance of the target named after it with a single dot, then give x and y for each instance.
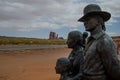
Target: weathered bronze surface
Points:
(101, 59)
(76, 58)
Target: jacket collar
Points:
(98, 35)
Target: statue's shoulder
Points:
(107, 38)
(105, 42)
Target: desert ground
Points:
(30, 64)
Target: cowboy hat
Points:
(93, 9)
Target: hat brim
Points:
(105, 15)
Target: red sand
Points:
(30, 64)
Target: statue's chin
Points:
(89, 29)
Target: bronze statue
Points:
(101, 59)
(76, 58)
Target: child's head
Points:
(62, 65)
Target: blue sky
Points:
(36, 18)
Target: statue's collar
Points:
(98, 35)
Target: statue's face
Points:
(70, 42)
(90, 23)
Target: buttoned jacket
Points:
(101, 59)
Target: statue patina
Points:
(76, 57)
(101, 59)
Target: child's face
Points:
(60, 68)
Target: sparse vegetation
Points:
(29, 41)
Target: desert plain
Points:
(30, 64)
(33, 64)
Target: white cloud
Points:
(48, 14)
(112, 33)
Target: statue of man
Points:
(101, 59)
(74, 70)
